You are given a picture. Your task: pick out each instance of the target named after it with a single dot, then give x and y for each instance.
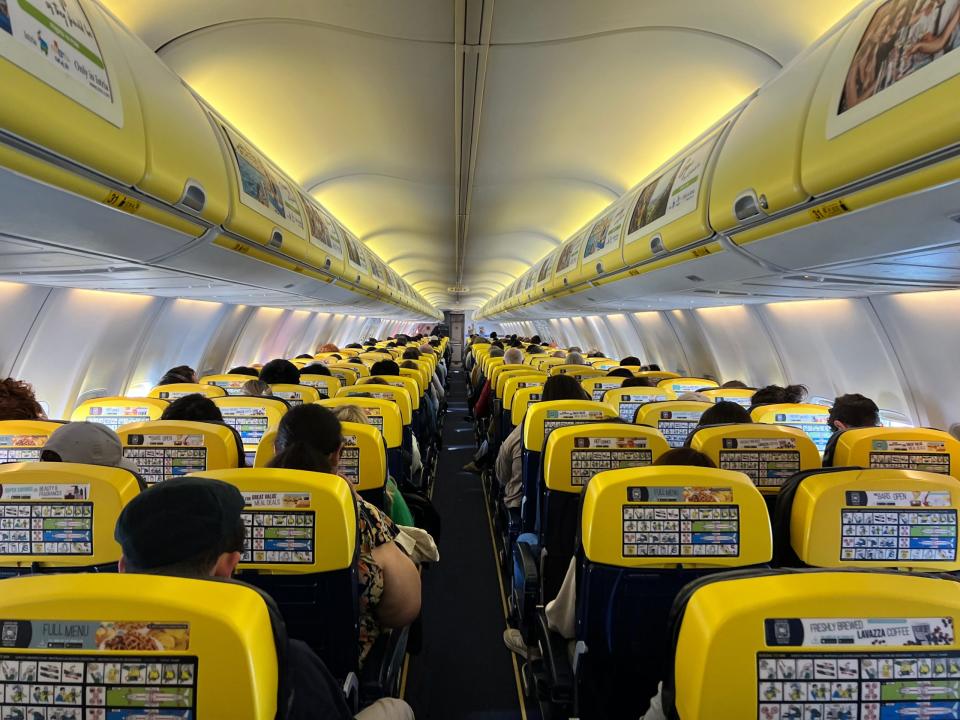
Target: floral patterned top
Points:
(375, 529)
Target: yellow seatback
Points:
(499, 385)
(232, 384)
(23, 440)
(384, 415)
(251, 416)
(674, 418)
(115, 412)
(768, 454)
(137, 643)
(325, 385)
(545, 362)
(178, 390)
(418, 377)
(363, 459)
(347, 374)
(398, 395)
(266, 449)
(578, 372)
(319, 507)
(522, 400)
(680, 385)
(401, 382)
(740, 396)
(487, 364)
(369, 358)
(544, 417)
(877, 518)
(517, 382)
(164, 449)
(61, 514)
(626, 401)
(899, 448)
(497, 370)
(654, 376)
(812, 419)
(665, 514)
(295, 394)
(765, 646)
(573, 455)
(596, 387)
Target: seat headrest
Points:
(899, 449)
(163, 449)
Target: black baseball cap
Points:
(178, 519)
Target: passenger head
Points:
(558, 354)
(534, 349)
(257, 387)
(694, 397)
(305, 356)
(775, 395)
(409, 365)
(496, 351)
(401, 341)
(244, 370)
(308, 438)
(355, 361)
(724, 412)
(575, 349)
(350, 413)
(631, 361)
(685, 456)
(411, 353)
(184, 527)
(563, 387)
(574, 358)
(280, 372)
(513, 356)
(853, 411)
(637, 382)
(385, 367)
(735, 385)
(653, 367)
(535, 340)
(179, 374)
(315, 369)
(87, 443)
(194, 407)
(354, 346)
(327, 348)
(620, 372)
(17, 401)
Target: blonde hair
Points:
(257, 387)
(350, 413)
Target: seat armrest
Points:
(556, 664)
(525, 596)
(380, 676)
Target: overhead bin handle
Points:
(276, 239)
(748, 205)
(194, 196)
(656, 244)
(599, 268)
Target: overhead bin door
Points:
(602, 252)
(890, 93)
(670, 210)
(568, 263)
(326, 245)
(67, 88)
(184, 161)
(758, 167)
(544, 277)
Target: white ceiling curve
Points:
(560, 107)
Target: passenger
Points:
(257, 388)
(513, 356)
(179, 374)
(653, 367)
(561, 611)
(355, 361)
(327, 348)
(535, 340)
(776, 395)
(243, 370)
(411, 353)
(558, 354)
(305, 356)
(194, 407)
(397, 507)
(735, 384)
(637, 382)
(316, 368)
(534, 349)
(17, 401)
(631, 361)
(694, 397)
(853, 411)
(353, 346)
(309, 438)
(620, 372)
(192, 528)
(574, 357)
(280, 371)
(88, 443)
(594, 354)
(385, 367)
(724, 413)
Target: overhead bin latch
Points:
(748, 205)
(276, 239)
(194, 196)
(656, 244)
(599, 268)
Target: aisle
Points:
(463, 671)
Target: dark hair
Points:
(854, 410)
(244, 370)
(633, 381)
(280, 371)
(307, 436)
(354, 346)
(724, 412)
(534, 349)
(194, 407)
(497, 343)
(563, 387)
(435, 343)
(630, 360)
(355, 361)
(685, 456)
(200, 565)
(409, 365)
(735, 384)
(179, 374)
(401, 341)
(376, 380)
(535, 340)
(412, 353)
(620, 372)
(391, 344)
(385, 367)
(315, 369)
(305, 356)
(775, 395)
(653, 367)
(17, 401)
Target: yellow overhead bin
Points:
(567, 266)
(888, 95)
(670, 210)
(758, 166)
(356, 269)
(324, 237)
(544, 278)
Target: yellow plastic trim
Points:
(123, 409)
(180, 438)
(325, 385)
(295, 394)
(359, 368)
(577, 372)
(517, 382)
(384, 392)
(730, 394)
(363, 459)
(23, 440)
(661, 414)
(174, 391)
(232, 384)
(397, 381)
(523, 398)
(559, 413)
(385, 413)
(902, 448)
(686, 384)
(266, 449)
(235, 408)
(626, 401)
